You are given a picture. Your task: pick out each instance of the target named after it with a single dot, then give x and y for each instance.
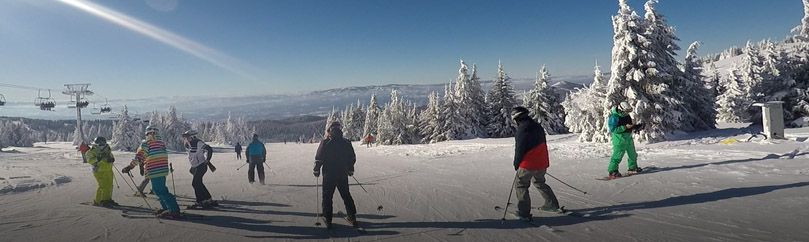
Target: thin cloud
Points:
(186, 45)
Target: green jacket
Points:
(101, 158)
(619, 134)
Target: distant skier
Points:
(199, 155)
(100, 156)
(156, 163)
(620, 126)
(369, 139)
(256, 156)
(238, 150)
(531, 162)
(336, 158)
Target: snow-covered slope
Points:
(708, 186)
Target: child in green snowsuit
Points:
(100, 156)
(620, 126)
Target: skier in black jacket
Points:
(336, 158)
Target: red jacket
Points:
(536, 158)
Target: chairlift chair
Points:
(2, 100)
(105, 108)
(83, 103)
(45, 103)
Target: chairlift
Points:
(45, 103)
(105, 108)
(83, 103)
(2, 100)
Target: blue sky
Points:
(288, 46)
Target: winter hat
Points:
(100, 141)
(624, 106)
(518, 112)
(190, 133)
(151, 129)
(335, 124)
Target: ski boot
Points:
(352, 219)
(634, 171)
(615, 174)
(169, 215)
(327, 222)
(552, 209)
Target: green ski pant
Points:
(618, 151)
(104, 191)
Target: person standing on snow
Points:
(531, 162)
(620, 126)
(142, 186)
(100, 156)
(238, 150)
(335, 156)
(156, 165)
(256, 156)
(199, 155)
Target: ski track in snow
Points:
(701, 190)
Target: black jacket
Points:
(336, 156)
(529, 135)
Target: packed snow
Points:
(720, 185)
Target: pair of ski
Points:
(355, 225)
(560, 211)
(143, 213)
(647, 169)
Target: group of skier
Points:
(335, 159)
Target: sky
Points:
(155, 48)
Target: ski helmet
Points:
(151, 129)
(518, 112)
(100, 141)
(190, 133)
(625, 106)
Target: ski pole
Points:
(242, 166)
(122, 177)
(317, 201)
(144, 200)
(117, 186)
(513, 184)
(172, 179)
(568, 185)
(379, 207)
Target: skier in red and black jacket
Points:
(531, 162)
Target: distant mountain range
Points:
(274, 107)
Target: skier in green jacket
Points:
(100, 156)
(620, 126)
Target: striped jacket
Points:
(154, 157)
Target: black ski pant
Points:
(524, 178)
(256, 163)
(200, 191)
(341, 183)
(238, 155)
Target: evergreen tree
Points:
(500, 101)
(733, 103)
(584, 113)
(430, 120)
(544, 106)
(803, 29)
(468, 100)
(454, 127)
(700, 99)
(126, 133)
(371, 118)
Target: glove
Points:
(316, 173)
(350, 173)
(213, 168)
(126, 169)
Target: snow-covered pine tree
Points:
(500, 101)
(371, 117)
(713, 80)
(467, 102)
(544, 106)
(803, 29)
(699, 99)
(733, 103)
(173, 128)
(15, 133)
(358, 121)
(478, 108)
(429, 120)
(584, 113)
(348, 121)
(126, 133)
(454, 126)
(752, 76)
